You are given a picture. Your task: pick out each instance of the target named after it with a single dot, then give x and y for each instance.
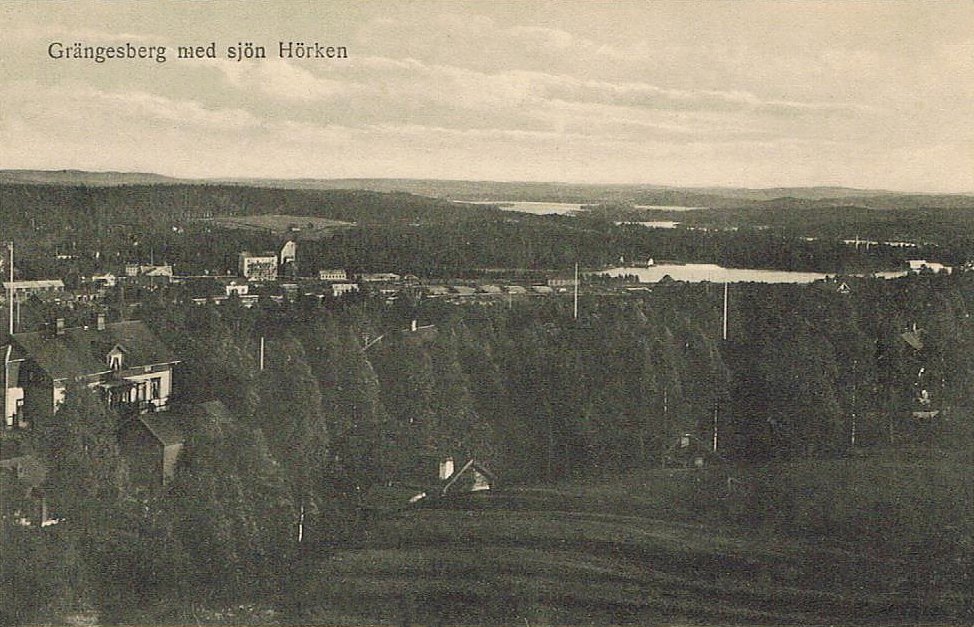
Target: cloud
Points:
(83, 104)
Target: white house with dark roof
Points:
(125, 361)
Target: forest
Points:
(104, 227)
(350, 397)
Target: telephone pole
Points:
(575, 308)
(10, 295)
(725, 312)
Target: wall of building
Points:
(165, 384)
(144, 452)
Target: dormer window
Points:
(114, 358)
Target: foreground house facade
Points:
(124, 361)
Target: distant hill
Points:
(515, 190)
(81, 177)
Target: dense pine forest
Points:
(351, 396)
(811, 399)
(427, 236)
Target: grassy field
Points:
(307, 226)
(672, 547)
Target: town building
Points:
(921, 265)
(149, 270)
(22, 290)
(125, 361)
(562, 282)
(340, 289)
(105, 280)
(332, 275)
(379, 277)
(236, 289)
(261, 267)
(288, 260)
(437, 290)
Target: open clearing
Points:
(281, 224)
(625, 552)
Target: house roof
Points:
(43, 283)
(913, 339)
(162, 429)
(82, 351)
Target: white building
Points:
(919, 265)
(332, 275)
(340, 289)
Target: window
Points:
(156, 385)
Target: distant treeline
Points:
(104, 227)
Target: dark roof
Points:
(162, 429)
(82, 351)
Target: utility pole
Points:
(575, 309)
(262, 353)
(854, 387)
(10, 295)
(725, 313)
(715, 428)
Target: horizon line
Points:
(251, 178)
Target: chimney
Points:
(100, 325)
(59, 326)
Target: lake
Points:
(699, 272)
(653, 224)
(545, 208)
(667, 207)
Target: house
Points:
(105, 280)
(379, 277)
(340, 289)
(150, 270)
(562, 282)
(473, 476)
(163, 270)
(22, 290)
(332, 275)
(236, 289)
(125, 361)
(920, 265)
(261, 267)
(912, 338)
(437, 290)
(152, 443)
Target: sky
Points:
(690, 93)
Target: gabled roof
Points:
(913, 339)
(162, 429)
(82, 351)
